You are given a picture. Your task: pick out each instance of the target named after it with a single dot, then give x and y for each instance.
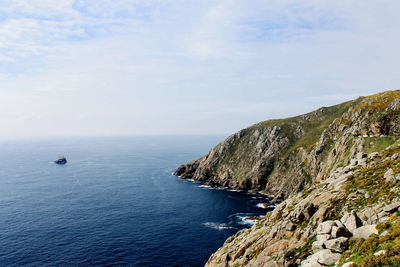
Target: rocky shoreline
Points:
(336, 171)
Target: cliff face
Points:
(281, 157)
(352, 218)
(339, 171)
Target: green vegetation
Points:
(299, 253)
(378, 144)
(377, 102)
(362, 251)
(312, 125)
(371, 180)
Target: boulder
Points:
(361, 155)
(385, 233)
(380, 252)
(383, 219)
(362, 162)
(325, 227)
(373, 155)
(290, 226)
(340, 232)
(323, 237)
(348, 169)
(348, 264)
(365, 231)
(317, 245)
(351, 221)
(327, 257)
(389, 176)
(338, 244)
(391, 208)
(311, 262)
(339, 223)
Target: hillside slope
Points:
(350, 219)
(281, 157)
(338, 169)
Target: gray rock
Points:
(351, 221)
(348, 169)
(338, 244)
(362, 162)
(348, 264)
(391, 208)
(353, 162)
(383, 214)
(311, 262)
(365, 231)
(339, 223)
(340, 232)
(325, 227)
(389, 176)
(374, 219)
(327, 257)
(373, 155)
(380, 252)
(290, 227)
(323, 237)
(395, 156)
(361, 155)
(317, 245)
(383, 219)
(384, 233)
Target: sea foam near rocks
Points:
(218, 226)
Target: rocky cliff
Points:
(338, 169)
(281, 157)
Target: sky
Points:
(138, 67)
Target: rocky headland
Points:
(336, 171)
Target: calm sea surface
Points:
(114, 203)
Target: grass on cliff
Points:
(361, 251)
(299, 253)
(368, 186)
(378, 144)
(377, 102)
(312, 124)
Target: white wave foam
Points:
(204, 186)
(234, 190)
(262, 205)
(217, 226)
(244, 220)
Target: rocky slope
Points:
(338, 169)
(350, 219)
(281, 157)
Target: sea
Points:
(115, 203)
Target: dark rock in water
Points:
(61, 160)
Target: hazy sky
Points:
(120, 67)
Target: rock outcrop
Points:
(337, 171)
(281, 157)
(327, 223)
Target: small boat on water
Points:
(61, 160)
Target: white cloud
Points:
(137, 66)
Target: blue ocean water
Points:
(114, 203)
